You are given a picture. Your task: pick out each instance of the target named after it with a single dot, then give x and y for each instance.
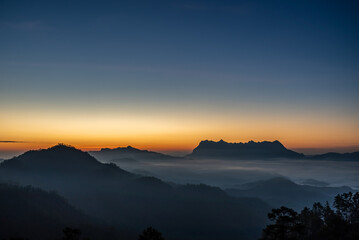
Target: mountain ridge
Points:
(280, 191)
(121, 154)
(219, 149)
(353, 156)
(60, 158)
(249, 150)
(181, 212)
(32, 213)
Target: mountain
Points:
(128, 155)
(249, 150)
(72, 173)
(48, 168)
(337, 156)
(132, 202)
(283, 192)
(60, 159)
(31, 213)
(315, 183)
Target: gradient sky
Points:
(164, 75)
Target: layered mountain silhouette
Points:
(315, 183)
(128, 154)
(61, 168)
(61, 159)
(133, 202)
(284, 192)
(218, 150)
(249, 150)
(31, 213)
(337, 156)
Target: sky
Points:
(164, 75)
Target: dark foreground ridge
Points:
(32, 213)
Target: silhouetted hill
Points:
(133, 202)
(250, 150)
(61, 159)
(71, 172)
(128, 154)
(216, 150)
(281, 191)
(337, 156)
(315, 183)
(31, 213)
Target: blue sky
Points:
(174, 57)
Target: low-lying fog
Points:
(233, 173)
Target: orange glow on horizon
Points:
(179, 147)
(173, 131)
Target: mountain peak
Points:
(128, 148)
(248, 150)
(60, 154)
(56, 159)
(63, 147)
(129, 152)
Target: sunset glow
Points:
(172, 131)
(155, 83)
(190, 119)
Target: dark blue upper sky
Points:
(274, 57)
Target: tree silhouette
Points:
(150, 234)
(318, 223)
(347, 206)
(286, 224)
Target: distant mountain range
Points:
(128, 154)
(133, 202)
(283, 192)
(249, 150)
(219, 150)
(337, 156)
